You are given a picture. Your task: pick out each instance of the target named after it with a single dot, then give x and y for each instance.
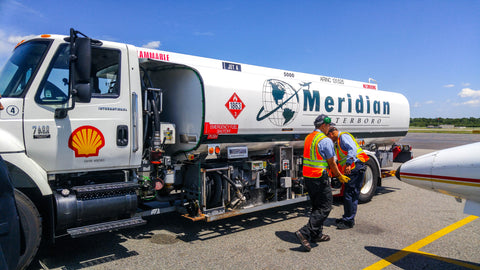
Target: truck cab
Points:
(51, 137)
(40, 85)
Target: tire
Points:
(214, 190)
(31, 228)
(370, 181)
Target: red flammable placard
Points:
(235, 105)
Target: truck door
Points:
(94, 135)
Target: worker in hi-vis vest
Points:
(318, 160)
(351, 162)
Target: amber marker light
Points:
(19, 43)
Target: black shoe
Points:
(303, 241)
(338, 220)
(321, 238)
(343, 225)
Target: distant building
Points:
(446, 126)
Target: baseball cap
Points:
(332, 129)
(323, 119)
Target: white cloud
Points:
(419, 104)
(7, 44)
(17, 7)
(465, 84)
(468, 92)
(152, 45)
(449, 85)
(473, 102)
(474, 96)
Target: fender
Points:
(374, 157)
(29, 169)
(11, 122)
(10, 143)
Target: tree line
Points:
(458, 122)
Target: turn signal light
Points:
(213, 149)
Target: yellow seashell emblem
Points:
(86, 141)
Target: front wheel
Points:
(370, 181)
(31, 228)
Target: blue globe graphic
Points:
(280, 102)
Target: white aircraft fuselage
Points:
(454, 171)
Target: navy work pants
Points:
(352, 192)
(321, 198)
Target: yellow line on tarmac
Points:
(448, 260)
(414, 248)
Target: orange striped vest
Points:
(313, 162)
(342, 154)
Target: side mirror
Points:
(82, 54)
(82, 58)
(83, 92)
(80, 69)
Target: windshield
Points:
(18, 71)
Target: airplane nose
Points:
(397, 173)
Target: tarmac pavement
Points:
(399, 216)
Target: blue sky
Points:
(427, 50)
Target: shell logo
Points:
(86, 141)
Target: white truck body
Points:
(377, 116)
(214, 136)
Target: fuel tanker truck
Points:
(98, 135)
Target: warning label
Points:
(220, 128)
(235, 105)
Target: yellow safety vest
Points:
(342, 154)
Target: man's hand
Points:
(344, 179)
(348, 169)
(333, 166)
